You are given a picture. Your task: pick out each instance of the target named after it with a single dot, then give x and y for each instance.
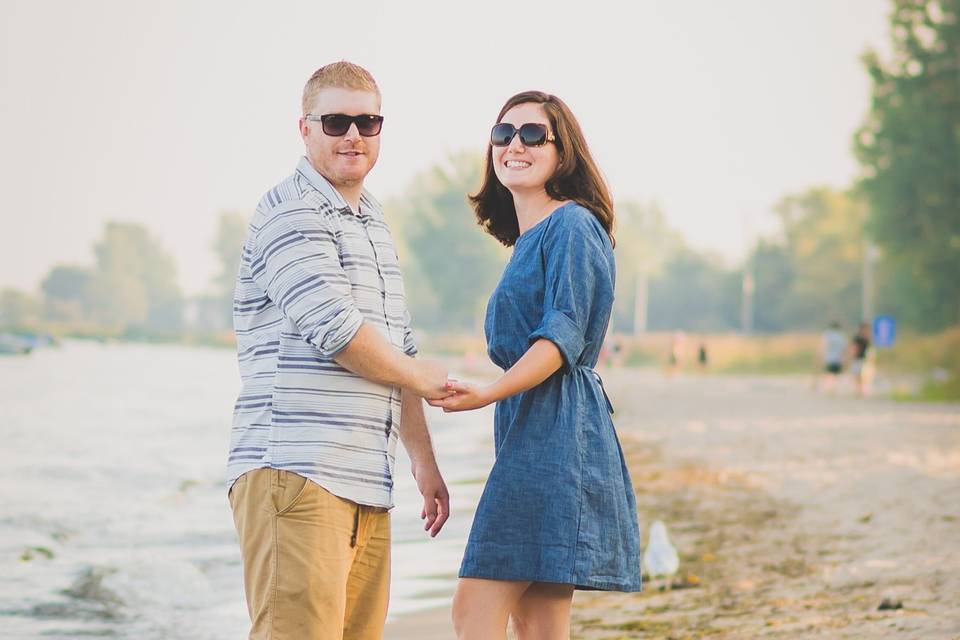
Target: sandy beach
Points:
(796, 515)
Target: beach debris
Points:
(660, 557)
(89, 585)
(11, 344)
(689, 581)
(32, 552)
(889, 604)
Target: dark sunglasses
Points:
(337, 124)
(531, 134)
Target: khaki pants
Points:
(315, 566)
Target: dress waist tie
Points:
(599, 382)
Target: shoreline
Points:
(794, 514)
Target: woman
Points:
(558, 511)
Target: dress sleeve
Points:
(577, 272)
(296, 262)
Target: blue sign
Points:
(884, 331)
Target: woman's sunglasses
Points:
(337, 124)
(531, 134)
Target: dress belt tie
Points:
(600, 382)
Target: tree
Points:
(694, 292)
(228, 246)
(456, 264)
(134, 282)
(644, 242)
(17, 309)
(773, 272)
(64, 293)
(823, 232)
(909, 146)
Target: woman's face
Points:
(521, 168)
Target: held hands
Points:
(463, 397)
(431, 380)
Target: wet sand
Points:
(795, 514)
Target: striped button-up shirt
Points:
(312, 271)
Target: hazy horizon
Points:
(170, 114)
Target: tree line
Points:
(900, 221)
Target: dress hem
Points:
(590, 584)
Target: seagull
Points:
(660, 558)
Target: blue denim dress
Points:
(558, 505)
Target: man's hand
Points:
(465, 397)
(370, 355)
(430, 380)
(436, 499)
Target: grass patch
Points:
(934, 391)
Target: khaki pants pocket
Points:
(286, 490)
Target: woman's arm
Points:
(540, 362)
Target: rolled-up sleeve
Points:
(575, 264)
(409, 346)
(295, 261)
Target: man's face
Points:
(343, 160)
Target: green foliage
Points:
(228, 246)
(64, 293)
(450, 265)
(909, 146)
(812, 274)
(17, 309)
(644, 242)
(773, 272)
(694, 292)
(131, 288)
(216, 310)
(134, 282)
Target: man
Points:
(832, 348)
(329, 383)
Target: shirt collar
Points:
(328, 191)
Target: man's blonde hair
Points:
(343, 75)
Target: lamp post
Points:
(870, 255)
(640, 302)
(746, 303)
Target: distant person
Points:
(703, 359)
(859, 349)
(558, 511)
(675, 354)
(611, 352)
(833, 347)
(329, 383)
(619, 354)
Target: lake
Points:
(114, 519)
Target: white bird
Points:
(660, 558)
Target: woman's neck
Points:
(532, 207)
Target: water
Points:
(113, 513)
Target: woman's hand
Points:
(466, 397)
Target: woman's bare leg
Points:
(543, 612)
(481, 607)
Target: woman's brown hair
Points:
(577, 177)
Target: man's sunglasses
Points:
(337, 124)
(531, 134)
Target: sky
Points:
(169, 113)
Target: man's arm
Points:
(370, 355)
(415, 436)
(295, 261)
